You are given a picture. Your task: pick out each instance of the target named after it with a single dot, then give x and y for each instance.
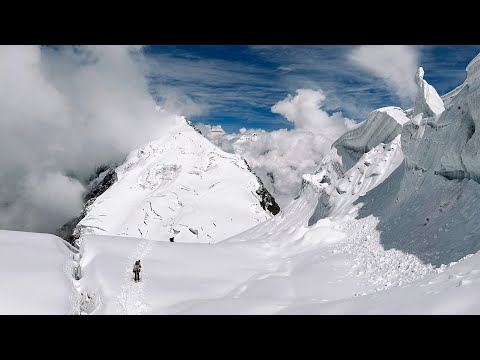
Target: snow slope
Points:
(371, 231)
(35, 272)
(172, 273)
(180, 185)
(275, 265)
(448, 291)
(331, 261)
(394, 232)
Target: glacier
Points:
(387, 224)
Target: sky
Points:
(67, 110)
(236, 86)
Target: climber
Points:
(136, 270)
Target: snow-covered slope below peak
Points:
(180, 186)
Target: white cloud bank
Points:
(395, 64)
(65, 111)
(281, 157)
(304, 110)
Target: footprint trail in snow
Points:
(132, 294)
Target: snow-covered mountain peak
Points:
(238, 145)
(244, 138)
(180, 185)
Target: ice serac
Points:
(382, 126)
(180, 186)
(436, 189)
(427, 101)
(471, 152)
(447, 98)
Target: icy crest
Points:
(381, 126)
(427, 101)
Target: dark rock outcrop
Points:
(96, 188)
(194, 127)
(101, 186)
(267, 201)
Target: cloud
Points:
(176, 102)
(226, 88)
(395, 64)
(239, 84)
(42, 198)
(281, 157)
(64, 111)
(304, 110)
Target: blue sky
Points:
(236, 86)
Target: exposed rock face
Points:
(101, 184)
(66, 230)
(96, 188)
(267, 201)
(194, 127)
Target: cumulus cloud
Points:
(281, 157)
(64, 111)
(304, 110)
(395, 64)
(42, 198)
(176, 102)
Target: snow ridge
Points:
(427, 101)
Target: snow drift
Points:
(36, 274)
